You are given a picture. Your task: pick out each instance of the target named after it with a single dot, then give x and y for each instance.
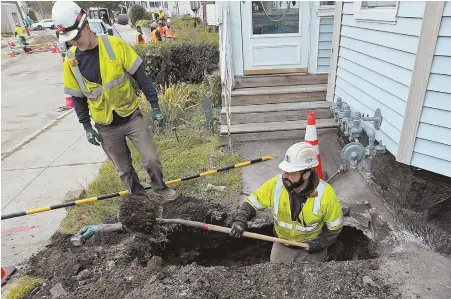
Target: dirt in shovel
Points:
(137, 213)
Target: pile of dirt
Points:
(137, 213)
(185, 262)
(43, 43)
(300, 280)
(194, 209)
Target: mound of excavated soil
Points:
(189, 262)
(122, 265)
(301, 280)
(137, 213)
(194, 209)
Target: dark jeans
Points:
(136, 129)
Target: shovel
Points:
(226, 230)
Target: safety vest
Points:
(161, 29)
(153, 36)
(169, 32)
(117, 61)
(19, 31)
(137, 39)
(321, 208)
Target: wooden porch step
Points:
(279, 94)
(276, 112)
(273, 130)
(279, 80)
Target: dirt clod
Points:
(137, 213)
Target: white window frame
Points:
(379, 15)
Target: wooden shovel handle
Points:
(226, 230)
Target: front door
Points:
(275, 36)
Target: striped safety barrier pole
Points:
(123, 193)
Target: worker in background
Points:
(305, 208)
(161, 29)
(161, 14)
(139, 36)
(19, 32)
(155, 35)
(97, 71)
(169, 32)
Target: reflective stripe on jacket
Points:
(117, 62)
(322, 207)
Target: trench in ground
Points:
(187, 245)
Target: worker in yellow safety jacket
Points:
(97, 74)
(139, 36)
(19, 32)
(161, 14)
(305, 208)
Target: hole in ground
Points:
(186, 245)
(352, 244)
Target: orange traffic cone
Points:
(53, 49)
(3, 273)
(69, 102)
(12, 54)
(312, 138)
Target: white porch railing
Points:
(225, 51)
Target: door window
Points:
(103, 28)
(275, 17)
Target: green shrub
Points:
(199, 35)
(32, 16)
(143, 23)
(212, 87)
(174, 62)
(174, 100)
(185, 22)
(137, 12)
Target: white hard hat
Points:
(68, 18)
(299, 156)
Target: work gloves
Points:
(157, 116)
(238, 228)
(239, 225)
(314, 246)
(87, 232)
(92, 136)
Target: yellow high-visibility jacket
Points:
(19, 31)
(321, 208)
(117, 62)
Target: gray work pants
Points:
(112, 138)
(283, 254)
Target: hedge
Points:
(172, 62)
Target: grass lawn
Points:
(194, 152)
(21, 287)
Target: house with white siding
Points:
(283, 59)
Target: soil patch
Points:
(137, 213)
(182, 262)
(354, 279)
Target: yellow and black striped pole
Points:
(123, 193)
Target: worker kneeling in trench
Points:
(305, 208)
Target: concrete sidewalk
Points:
(32, 93)
(39, 174)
